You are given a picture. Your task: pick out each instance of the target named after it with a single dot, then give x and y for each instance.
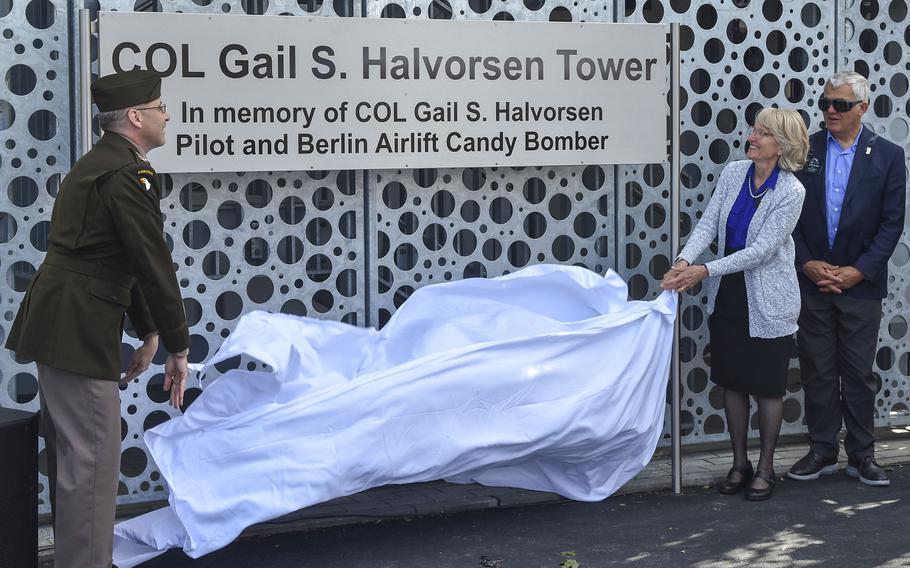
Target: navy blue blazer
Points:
(871, 220)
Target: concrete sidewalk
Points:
(700, 467)
(835, 522)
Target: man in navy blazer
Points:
(851, 221)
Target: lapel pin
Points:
(868, 150)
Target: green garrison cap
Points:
(123, 90)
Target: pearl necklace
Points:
(752, 193)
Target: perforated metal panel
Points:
(434, 226)
(875, 43)
(500, 10)
(289, 242)
(353, 245)
(34, 133)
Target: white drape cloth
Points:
(545, 379)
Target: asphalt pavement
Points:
(832, 522)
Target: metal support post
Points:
(85, 80)
(676, 435)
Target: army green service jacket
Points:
(106, 257)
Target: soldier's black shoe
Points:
(867, 471)
(812, 466)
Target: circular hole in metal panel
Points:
(42, 125)
(21, 79)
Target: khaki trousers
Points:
(80, 417)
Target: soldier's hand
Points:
(141, 358)
(175, 375)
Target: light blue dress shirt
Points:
(838, 164)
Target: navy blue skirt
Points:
(750, 365)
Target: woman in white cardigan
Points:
(753, 295)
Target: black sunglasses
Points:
(840, 105)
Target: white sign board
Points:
(271, 93)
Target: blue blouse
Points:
(744, 208)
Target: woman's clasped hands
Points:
(683, 276)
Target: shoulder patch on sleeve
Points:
(143, 176)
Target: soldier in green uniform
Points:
(106, 257)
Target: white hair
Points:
(857, 82)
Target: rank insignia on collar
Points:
(813, 166)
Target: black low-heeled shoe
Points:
(728, 487)
(761, 494)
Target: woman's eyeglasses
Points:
(840, 105)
